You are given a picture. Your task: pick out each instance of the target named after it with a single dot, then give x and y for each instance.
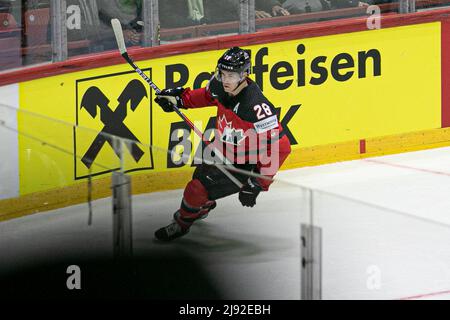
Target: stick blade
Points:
(117, 27)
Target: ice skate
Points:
(173, 230)
(170, 232)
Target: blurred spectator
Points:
(269, 8)
(305, 6)
(340, 4)
(181, 13)
(129, 13)
(217, 11)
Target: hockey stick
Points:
(123, 51)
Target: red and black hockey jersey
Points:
(247, 127)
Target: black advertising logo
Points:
(134, 92)
(115, 104)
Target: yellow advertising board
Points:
(329, 90)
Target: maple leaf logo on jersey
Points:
(223, 123)
(229, 134)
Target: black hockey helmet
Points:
(235, 60)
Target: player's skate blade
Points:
(170, 232)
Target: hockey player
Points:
(242, 111)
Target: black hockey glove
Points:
(249, 192)
(168, 98)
